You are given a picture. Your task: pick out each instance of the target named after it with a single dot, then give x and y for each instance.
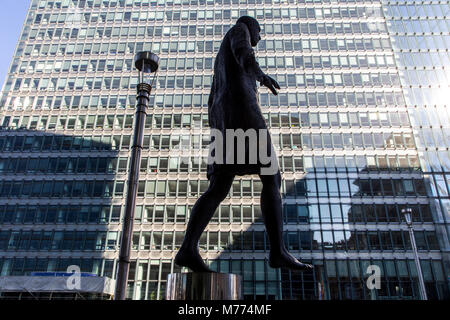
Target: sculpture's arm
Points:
(210, 103)
(243, 52)
(245, 56)
(211, 94)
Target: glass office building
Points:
(361, 126)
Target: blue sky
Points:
(12, 17)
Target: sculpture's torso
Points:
(234, 102)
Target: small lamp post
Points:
(408, 218)
(147, 63)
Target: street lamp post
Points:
(147, 63)
(408, 218)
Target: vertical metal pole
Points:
(143, 95)
(423, 292)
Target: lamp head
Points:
(146, 62)
(407, 213)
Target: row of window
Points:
(109, 83)
(325, 61)
(199, 120)
(110, 65)
(341, 187)
(433, 26)
(63, 49)
(57, 4)
(349, 44)
(309, 99)
(102, 32)
(121, 102)
(123, 121)
(426, 77)
(423, 59)
(389, 268)
(49, 214)
(330, 80)
(439, 187)
(433, 138)
(33, 189)
(417, 42)
(349, 141)
(200, 63)
(24, 266)
(334, 79)
(289, 141)
(195, 143)
(158, 214)
(335, 240)
(211, 15)
(54, 143)
(58, 240)
(329, 164)
(197, 46)
(188, 163)
(417, 10)
(307, 28)
(93, 65)
(424, 96)
(147, 277)
(346, 280)
(293, 213)
(429, 116)
(437, 161)
(354, 213)
(334, 119)
(295, 240)
(83, 122)
(348, 187)
(59, 165)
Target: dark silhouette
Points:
(233, 104)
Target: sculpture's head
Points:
(254, 28)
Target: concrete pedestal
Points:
(203, 286)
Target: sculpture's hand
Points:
(270, 83)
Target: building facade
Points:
(361, 126)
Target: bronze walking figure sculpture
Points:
(233, 104)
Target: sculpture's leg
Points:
(201, 214)
(272, 212)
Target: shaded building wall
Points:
(56, 205)
(346, 145)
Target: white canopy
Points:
(101, 285)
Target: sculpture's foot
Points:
(286, 260)
(192, 260)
